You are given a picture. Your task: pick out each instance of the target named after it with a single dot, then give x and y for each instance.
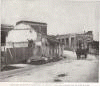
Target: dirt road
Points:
(66, 70)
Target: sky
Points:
(61, 16)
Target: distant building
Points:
(69, 40)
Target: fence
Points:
(15, 52)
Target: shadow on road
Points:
(41, 62)
(7, 68)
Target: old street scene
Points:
(47, 41)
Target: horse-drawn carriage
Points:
(82, 45)
(82, 50)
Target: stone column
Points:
(0, 58)
(75, 43)
(39, 36)
(56, 49)
(59, 50)
(69, 41)
(65, 42)
(60, 40)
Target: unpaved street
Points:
(66, 70)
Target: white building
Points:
(24, 31)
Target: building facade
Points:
(69, 40)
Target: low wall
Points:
(15, 55)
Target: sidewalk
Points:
(23, 67)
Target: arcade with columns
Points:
(68, 40)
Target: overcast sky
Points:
(62, 16)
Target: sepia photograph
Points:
(50, 41)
